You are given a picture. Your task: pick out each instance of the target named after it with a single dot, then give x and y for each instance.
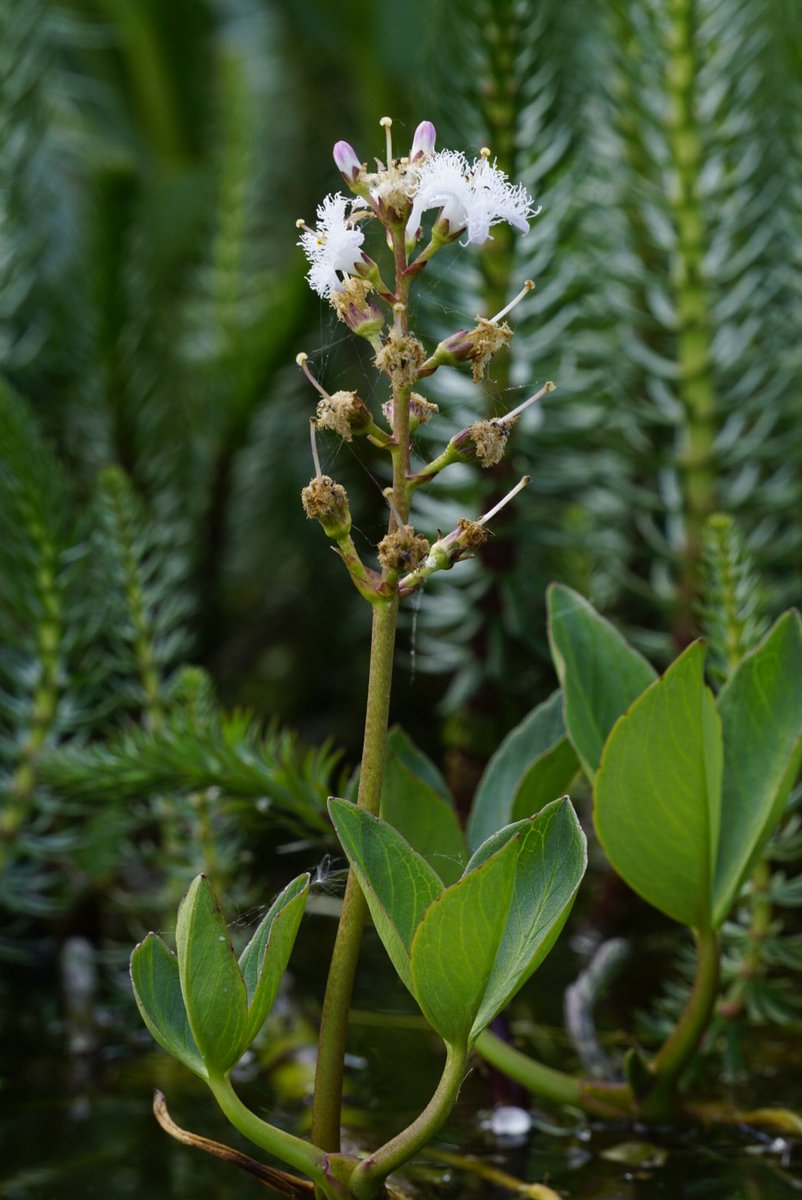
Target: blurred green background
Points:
(168, 618)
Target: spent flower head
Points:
(471, 197)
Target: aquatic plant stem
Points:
(285, 1146)
(676, 1052)
(371, 1172)
(327, 1103)
(618, 1099)
(558, 1087)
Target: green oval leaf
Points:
(657, 796)
(551, 861)
(761, 714)
(456, 944)
(264, 960)
(157, 991)
(599, 672)
(397, 882)
(401, 746)
(211, 982)
(532, 766)
(414, 804)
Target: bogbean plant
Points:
(464, 932)
(687, 787)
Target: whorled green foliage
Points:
(34, 192)
(142, 566)
(465, 950)
(203, 1005)
(659, 139)
(699, 281)
(522, 76)
(732, 616)
(45, 620)
(196, 748)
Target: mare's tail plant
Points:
(462, 945)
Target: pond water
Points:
(80, 1124)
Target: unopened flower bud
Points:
(344, 413)
(421, 410)
(355, 306)
(423, 141)
(327, 502)
(476, 346)
(346, 161)
(368, 270)
(402, 550)
(483, 442)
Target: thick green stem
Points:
(617, 1099)
(372, 1171)
(334, 1018)
(676, 1053)
(543, 1081)
(284, 1146)
(558, 1087)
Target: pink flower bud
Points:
(423, 141)
(346, 160)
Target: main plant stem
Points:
(327, 1103)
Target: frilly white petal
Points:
(333, 248)
(473, 197)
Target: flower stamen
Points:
(516, 412)
(525, 290)
(302, 360)
(387, 124)
(313, 440)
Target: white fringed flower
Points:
(335, 246)
(472, 197)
